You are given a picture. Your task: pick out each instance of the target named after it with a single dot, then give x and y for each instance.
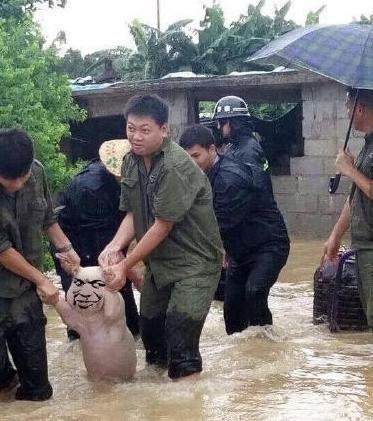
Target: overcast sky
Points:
(91, 25)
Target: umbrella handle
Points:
(334, 183)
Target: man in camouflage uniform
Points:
(168, 201)
(25, 212)
(357, 212)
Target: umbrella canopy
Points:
(340, 52)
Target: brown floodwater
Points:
(291, 371)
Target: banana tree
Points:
(230, 46)
(158, 53)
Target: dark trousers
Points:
(247, 289)
(172, 319)
(219, 293)
(22, 332)
(364, 260)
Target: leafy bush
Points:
(34, 96)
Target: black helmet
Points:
(230, 106)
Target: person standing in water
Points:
(168, 202)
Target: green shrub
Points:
(34, 96)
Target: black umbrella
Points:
(340, 52)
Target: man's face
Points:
(145, 135)
(203, 157)
(13, 185)
(224, 127)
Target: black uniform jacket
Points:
(248, 217)
(89, 212)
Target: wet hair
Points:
(16, 153)
(196, 135)
(240, 126)
(148, 106)
(365, 96)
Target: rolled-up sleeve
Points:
(177, 190)
(125, 202)
(125, 184)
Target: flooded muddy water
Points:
(291, 371)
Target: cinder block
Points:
(324, 128)
(323, 92)
(320, 185)
(341, 109)
(309, 109)
(326, 110)
(324, 147)
(311, 129)
(354, 145)
(329, 165)
(305, 166)
(311, 165)
(300, 203)
(309, 225)
(313, 184)
(331, 203)
(284, 184)
(308, 93)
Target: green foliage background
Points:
(34, 96)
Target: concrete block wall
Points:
(179, 117)
(310, 211)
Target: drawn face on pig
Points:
(86, 293)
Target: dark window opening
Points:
(280, 134)
(87, 137)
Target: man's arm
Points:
(69, 259)
(125, 233)
(331, 247)
(56, 236)
(364, 183)
(123, 237)
(116, 275)
(149, 242)
(345, 165)
(16, 263)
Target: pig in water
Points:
(97, 314)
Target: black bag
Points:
(336, 295)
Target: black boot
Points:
(153, 337)
(36, 395)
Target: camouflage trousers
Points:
(364, 259)
(22, 332)
(171, 322)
